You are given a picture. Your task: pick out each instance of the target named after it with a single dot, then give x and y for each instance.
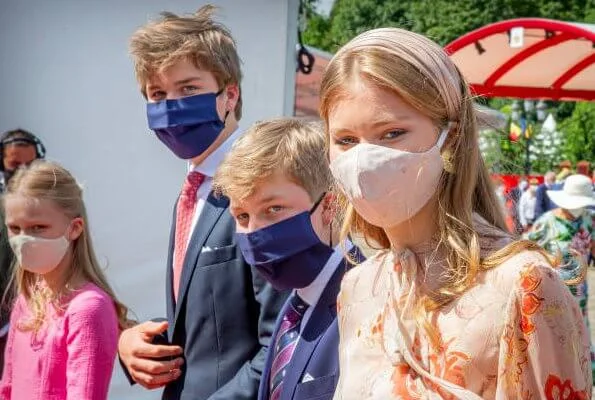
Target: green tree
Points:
(441, 20)
(316, 26)
(578, 141)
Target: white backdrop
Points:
(65, 75)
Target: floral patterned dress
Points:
(571, 240)
(516, 334)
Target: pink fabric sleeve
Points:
(6, 383)
(544, 348)
(91, 344)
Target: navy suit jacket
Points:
(543, 203)
(224, 316)
(317, 352)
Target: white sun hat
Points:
(577, 193)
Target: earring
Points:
(447, 160)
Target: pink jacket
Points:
(72, 355)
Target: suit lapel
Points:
(210, 214)
(322, 316)
(169, 293)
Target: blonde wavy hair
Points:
(421, 73)
(50, 181)
(290, 146)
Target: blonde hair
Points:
(50, 181)
(421, 73)
(198, 38)
(291, 146)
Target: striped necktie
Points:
(285, 343)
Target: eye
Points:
(14, 229)
(275, 209)
(188, 90)
(38, 228)
(242, 218)
(157, 95)
(394, 134)
(346, 141)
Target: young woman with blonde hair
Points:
(451, 307)
(66, 319)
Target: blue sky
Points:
(324, 6)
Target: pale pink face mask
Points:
(39, 255)
(388, 186)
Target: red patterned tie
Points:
(184, 214)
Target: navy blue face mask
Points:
(288, 254)
(188, 125)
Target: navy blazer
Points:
(317, 352)
(543, 203)
(224, 316)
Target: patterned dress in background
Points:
(570, 240)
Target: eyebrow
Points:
(390, 120)
(188, 80)
(269, 198)
(177, 83)
(375, 124)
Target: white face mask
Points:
(39, 255)
(388, 186)
(577, 212)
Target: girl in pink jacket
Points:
(65, 321)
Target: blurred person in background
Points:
(567, 232)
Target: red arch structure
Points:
(552, 60)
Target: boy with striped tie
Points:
(279, 186)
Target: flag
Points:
(529, 131)
(515, 132)
(523, 123)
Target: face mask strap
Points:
(444, 134)
(317, 203)
(313, 209)
(226, 112)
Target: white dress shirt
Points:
(208, 168)
(527, 207)
(311, 293)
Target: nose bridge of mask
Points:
(183, 111)
(52, 249)
(365, 157)
(279, 240)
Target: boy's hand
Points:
(145, 360)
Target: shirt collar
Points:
(212, 162)
(311, 293)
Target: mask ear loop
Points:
(313, 209)
(446, 154)
(444, 134)
(226, 112)
(317, 203)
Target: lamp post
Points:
(527, 115)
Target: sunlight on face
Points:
(377, 116)
(275, 199)
(35, 217)
(182, 79)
